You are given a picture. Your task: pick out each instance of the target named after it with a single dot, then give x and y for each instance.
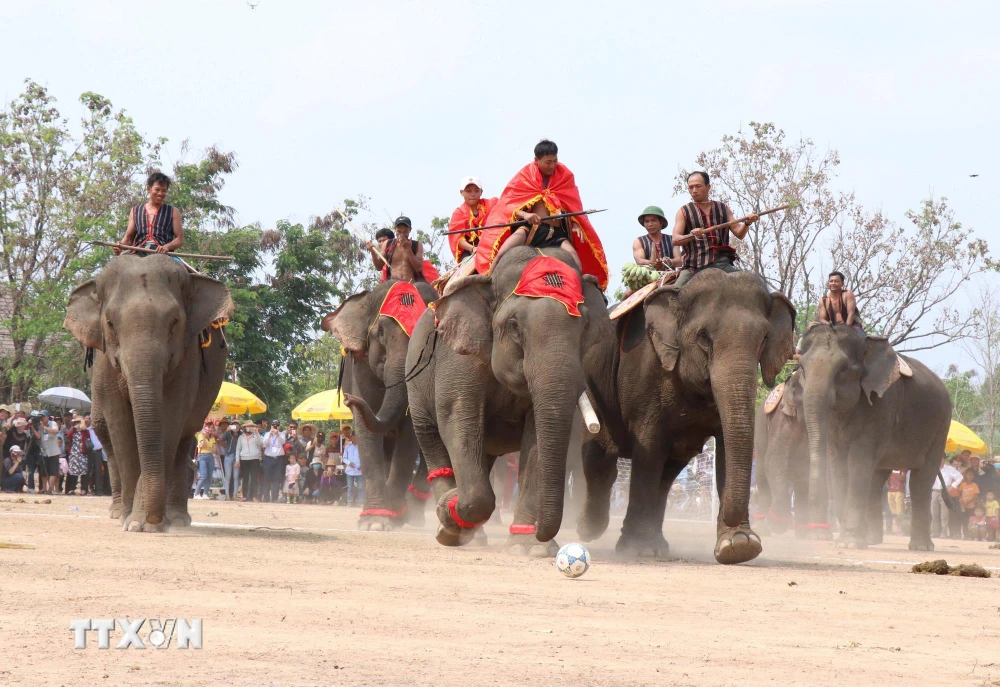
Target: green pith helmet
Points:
(653, 210)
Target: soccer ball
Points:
(573, 560)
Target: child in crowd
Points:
(992, 511)
(303, 475)
(978, 529)
(291, 480)
(968, 494)
(313, 477)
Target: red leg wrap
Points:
(785, 519)
(440, 472)
(818, 525)
(422, 495)
(379, 511)
(522, 529)
(454, 515)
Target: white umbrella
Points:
(65, 397)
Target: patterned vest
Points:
(159, 229)
(702, 251)
(666, 246)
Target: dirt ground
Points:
(323, 604)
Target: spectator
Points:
(208, 452)
(940, 516)
(968, 494)
(292, 471)
(352, 468)
(272, 464)
(49, 458)
(992, 510)
(96, 464)
(17, 435)
(77, 438)
(326, 485)
(230, 469)
(988, 480)
(897, 494)
(12, 478)
(33, 459)
(249, 452)
(5, 416)
(303, 473)
(316, 447)
(978, 529)
(313, 478)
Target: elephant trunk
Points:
(394, 401)
(145, 387)
(817, 404)
(779, 514)
(555, 397)
(734, 385)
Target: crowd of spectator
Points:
(51, 453)
(268, 462)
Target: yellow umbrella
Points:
(235, 400)
(961, 438)
(326, 405)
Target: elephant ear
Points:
(207, 301)
(83, 316)
(780, 343)
(663, 324)
(349, 323)
(465, 316)
(881, 365)
(792, 398)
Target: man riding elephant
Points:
(470, 215)
(711, 249)
(656, 247)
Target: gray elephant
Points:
(869, 411)
(781, 455)
(374, 328)
(503, 372)
(681, 369)
(158, 361)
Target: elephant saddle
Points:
(403, 304)
(548, 277)
(774, 398)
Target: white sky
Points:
(398, 100)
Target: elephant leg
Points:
(875, 522)
(855, 510)
(100, 425)
(178, 485)
(921, 481)
(522, 540)
(440, 473)
(642, 531)
(737, 544)
(800, 488)
(375, 451)
(600, 470)
(136, 520)
(126, 451)
(418, 493)
(760, 514)
(404, 457)
(465, 508)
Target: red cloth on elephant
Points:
(560, 195)
(430, 271)
(462, 218)
(548, 277)
(403, 304)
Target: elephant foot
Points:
(528, 545)
(737, 545)
(177, 517)
(851, 541)
(874, 538)
(376, 523)
(818, 531)
(414, 515)
(460, 537)
(590, 527)
(116, 511)
(447, 513)
(921, 544)
(136, 522)
(653, 545)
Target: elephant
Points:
(781, 455)
(374, 373)
(496, 372)
(680, 369)
(868, 411)
(159, 357)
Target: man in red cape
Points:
(469, 215)
(547, 183)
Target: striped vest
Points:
(702, 251)
(666, 246)
(159, 229)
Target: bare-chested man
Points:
(405, 256)
(838, 306)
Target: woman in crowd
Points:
(77, 440)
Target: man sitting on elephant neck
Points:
(154, 224)
(656, 248)
(712, 249)
(838, 306)
(405, 256)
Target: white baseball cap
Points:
(470, 180)
(16, 449)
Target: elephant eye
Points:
(111, 325)
(703, 339)
(173, 326)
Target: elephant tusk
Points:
(589, 416)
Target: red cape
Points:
(462, 219)
(562, 195)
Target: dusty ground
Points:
(331, 606)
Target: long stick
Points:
(124, 246)
(362, 236)
(523, 222)
(731, 223)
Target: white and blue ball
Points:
(573, 560)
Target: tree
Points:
(966, 406)
(984, 350)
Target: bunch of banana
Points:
(636, 276)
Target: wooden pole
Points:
(361, 236)
(140, 249)
(731, 223)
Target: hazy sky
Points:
(398, 100)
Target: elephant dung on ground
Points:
(681, 369)
(374, 328)
(869, 411)
(159, 360)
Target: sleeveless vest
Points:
(158, 229)
(666, 246)
(702, 251)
